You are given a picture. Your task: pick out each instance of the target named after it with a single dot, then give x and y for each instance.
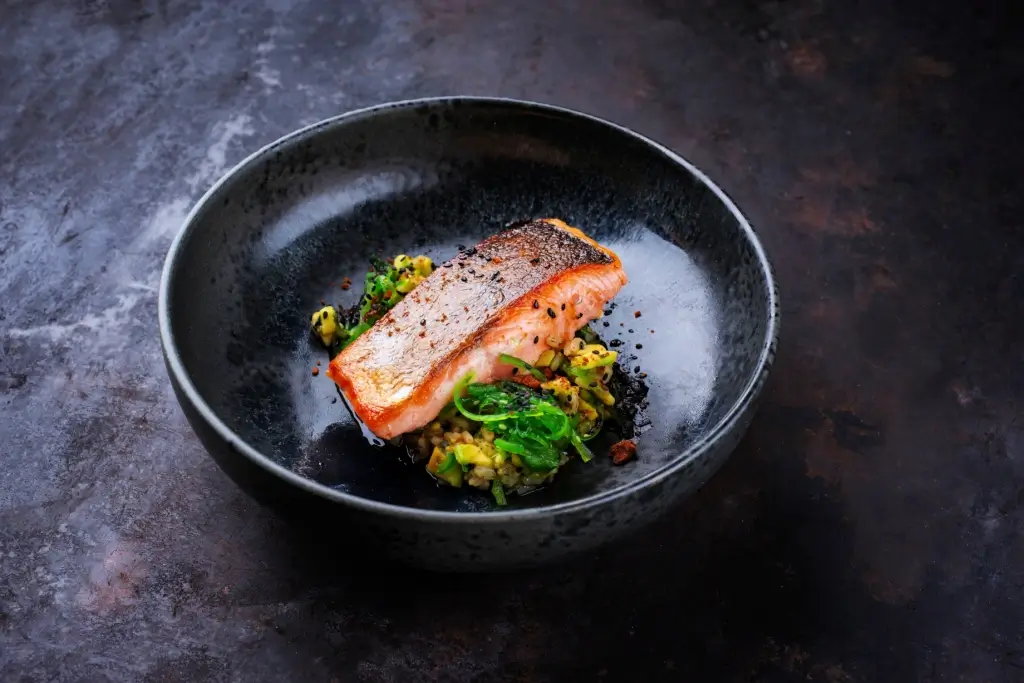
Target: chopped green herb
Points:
(448, 463)
(499, 493)
(526, 423)
(522, 365)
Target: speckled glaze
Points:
(274, 237)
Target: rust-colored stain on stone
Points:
(113, 581)
(924, 65)
(806, 60)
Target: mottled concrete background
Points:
(868, 529)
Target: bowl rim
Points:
(696, 450)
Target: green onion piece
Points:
(499, 493)
(586, 455)
(448, 463)
(522, 365)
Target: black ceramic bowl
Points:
(278, 233)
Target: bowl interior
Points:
(279, 235)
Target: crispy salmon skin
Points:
(520, 292)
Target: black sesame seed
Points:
(463, 278)
(614, 343)
(579, 315)
(535, 304)
(551, 313)
(496, 274)
(423, 321)
(608, 311)
(606, 323)
(324, 315)
(461, 247)
(472, 271)
(596, 352)
(639, 346)
(536, 339)
(471, 251)
(515, 371)
(534, 261)
(593, 384)
(631, 331)
(563, 307)
(636, 369)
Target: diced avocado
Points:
(469, 454)
(324, 324)
(545, 359)
(594, 356)
(443, 466)
(422, 266)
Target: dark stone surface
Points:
(870, 526)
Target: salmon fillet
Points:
(520, 292)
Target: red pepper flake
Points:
(636, 314)
(346, 285)
(623, 452)
(316, 371)
(527, 380)
(423, 333)
(496, 259)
